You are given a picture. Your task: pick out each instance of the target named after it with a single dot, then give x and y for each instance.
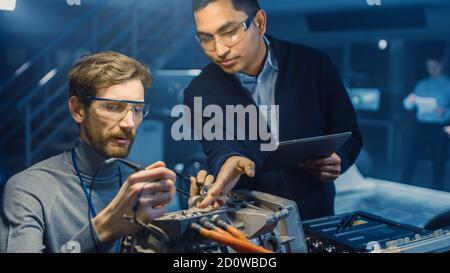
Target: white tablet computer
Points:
(290, 153)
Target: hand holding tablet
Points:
(325, 169)
(290, 154)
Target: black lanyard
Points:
(83, 186)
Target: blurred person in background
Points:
(431, 101)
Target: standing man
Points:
(251, 68)
(430, 121)
(50, 207)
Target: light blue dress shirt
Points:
(262, 87)
(439, 89)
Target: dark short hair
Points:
(436, 58)
(247, 6)
(435, 51)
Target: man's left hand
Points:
(324, 169)
(447, 130)
(440, 111)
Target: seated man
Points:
(56, 205)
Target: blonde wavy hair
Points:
(104, 69)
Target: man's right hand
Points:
(447, 130)
(412, 98)
(227, 178)
(158, 188)
(197, 183)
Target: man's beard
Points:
(100, 143)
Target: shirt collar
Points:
(270, 64)
(89, 160)
(270, 56)
(441, 78)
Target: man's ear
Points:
(77, 109)
(261, 22)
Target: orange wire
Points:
(237, 244)
(223, 232)
(237, 233)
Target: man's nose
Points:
(128, 120)
(222, 50)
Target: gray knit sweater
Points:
(44, 208)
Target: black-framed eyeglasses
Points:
(116, 110)
(227, 38)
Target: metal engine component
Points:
(437, 241)
(360, 231)
(267, 220)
